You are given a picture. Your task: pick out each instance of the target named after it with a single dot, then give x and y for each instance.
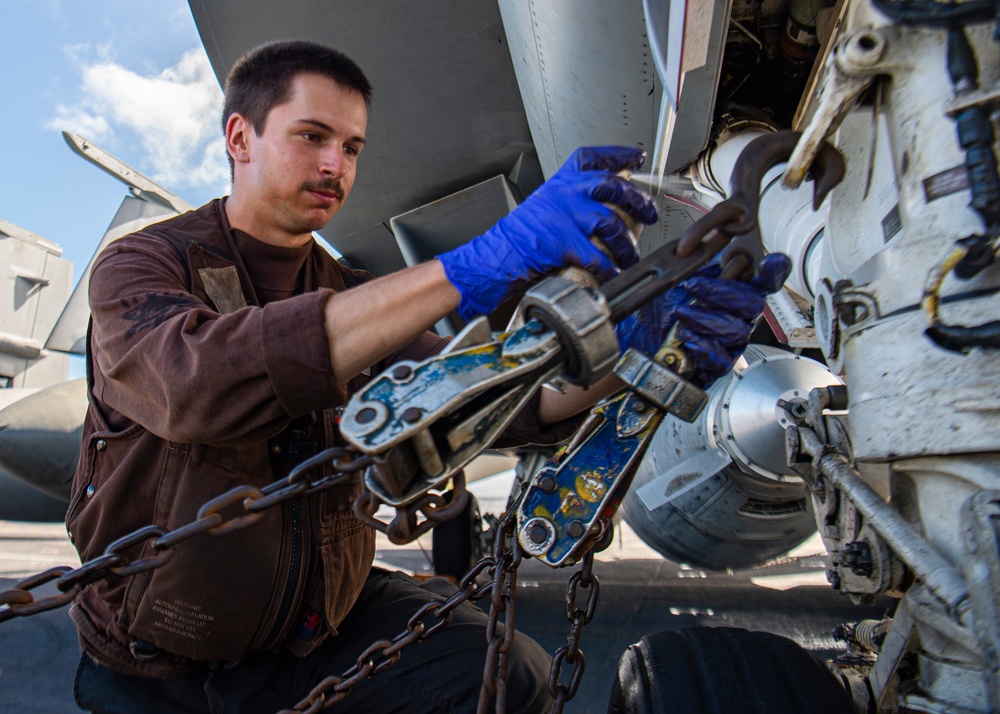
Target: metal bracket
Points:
(849, 70)
(659, 386)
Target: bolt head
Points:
(401, 371)
(366, 416)
(412, 415)
(537, 534)
(547, 484)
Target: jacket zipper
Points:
(293, 574)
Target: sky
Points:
(132, 78)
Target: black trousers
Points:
(441, 674)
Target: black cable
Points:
(976, 137)
(958, 338)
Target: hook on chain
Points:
(736, 216)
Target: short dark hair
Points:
(262, 78)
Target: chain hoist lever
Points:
(569, 503)
(422, 422)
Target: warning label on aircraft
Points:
(946, 183)
(891, 224)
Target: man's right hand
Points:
(552, 229)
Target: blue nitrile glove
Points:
(715, 330)
(552, 229)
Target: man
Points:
(222, 343)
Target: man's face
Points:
(302, 166)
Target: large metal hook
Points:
(737, 215)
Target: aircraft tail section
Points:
(146, 203)
(69, 333)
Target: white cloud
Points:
(78, 121)
(174, 115)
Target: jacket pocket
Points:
(347, 550)
(217, 592)
(92, 519)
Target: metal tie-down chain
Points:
(506, 560)
(404, 528)
(381, 654)
(570, 653)
(114, 563)
(502, 589)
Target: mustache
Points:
(331, 185)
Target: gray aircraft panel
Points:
(37, 280)
(446, 112)
(570, 100)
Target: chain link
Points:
(382, 654)
(570, 653)
(506, 560)
(246, 503)
(403, 528)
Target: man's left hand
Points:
(714, 317)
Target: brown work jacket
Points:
(192, 391)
